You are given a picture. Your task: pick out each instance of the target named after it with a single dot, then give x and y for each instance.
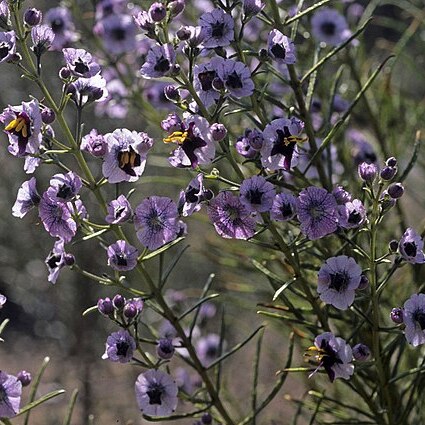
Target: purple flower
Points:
(203, 78)
(7, 45)
(59, 19)
(352, 214)
(208, 348)
(329, 26)
(94, 143)
(252, 7)
(396, 315)
(57, 259)
(165, 348)
(191, 198)
(3, 300)
(236, 77)
(367, 172)
(230, 217)
(42, 39)
(281, 48)
(157, 12)
(338, 279)
(414, 319)
(341, 195)
(122, 256)
(317, 212)
(119, 347)
(284, 207)
(217, 27)
(250, 143)
(10, 395)
(23, 128)
(361, 352)
(172, 123)
(56, 218)
(126, 156)
(195, 143)
(119, 210)
(118, 33)
(133, 307)
(160, 62)
(257, 194)
(145, 22)
(156, 221)
(410, 246)
(110, 7)
(27, 198)
(334, 355)
(4, 15)
(87, 90)
(80, 63)
(278, 150)
(33, 17)
(64, 187)
(362, 150)
(156, 393)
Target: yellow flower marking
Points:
(178, 137)
(294, 139)
(18, 125)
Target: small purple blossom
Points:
(257, 194)
(208, 348)
(281, 48)
(217, 27)
(126, 156)
(361, 352)
(230, 217)
(160, 62)
(190, 199)
(25, 378)
(252, 7)
(156, 393)
(156, 221)
(165, 348)
(352, 214)
(122, 256)
(341, 195)
(33, 17)
(367, 172)
(414, 319)
(10, 395)
(396, 315)
(172, 123)
(133, 307)
(203, 77)
(157, 11)
(87, 90)
(411, 247)
(64, 187)
(42, 37)
(317, 212)
(250, 143)
(338, 279)
(119, 210)
(284, 207)
(119, 347)
(60, 21)
(236, 78)
(56, 260)
(105, 306)
(329, 26)
(7, 45)
(27, 198)
(80, 63)
(94, 143)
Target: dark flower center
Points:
(154, 221)
(339, 281)
(329, 359)
(212, 351)
(354, 217)
(234, 81)
(118, 34)
(4, 50)
(53, 261)
(155, 393)
(3, 395)
(57, 25)
(286, 209)
(127, 160)
(410, 249)
(328, 28)
(118, 211)
(254, 196)
(206, 79)
(81, 67)
(278, 51)
(122, 348)
(191, 195)
(121, 259)
(217, 29)
(370, 157)
(162, 65)
(283, 146)
(64, 192)
(419, 316)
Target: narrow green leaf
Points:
(3, 325)
(89, 310)
(162, 249)
(26, 409)
(71, 405)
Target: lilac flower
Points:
(230, 217)
(236, 77)
(252, 7)
(217, 27)
(118, 33)
(94, 143)
(33, 17)
(57, 259)
(31, 163)
(257, 194)
(329, 26)
(341, 195)
(250, 143)
(7, 45)
(278, 150)
(172, 123)
(133, 307)
(64, 187)
(156, 221)
(367, 172)
(160, 62)
(156, 393)
(317, 212)
(411, 247)
(284, 207)
(80, 63)
(281, 48)
(4, 15)
(414, 319)
(362, 150)
(334, 355)
(3, 300)
(195, 143)
(165, 348)
(191, 198)
(87, 90)
(10, 391)
(23, 128)
(56, 218)
(119, 347)
(126, 156)
(157, 12)
(338, 279)
(122, 256)
(60, 20)
(27, 198)
(145, 22)
(203, 77)
(361, 352)
(208, 348)
(352, 214)
(42, 37)
(119, 210)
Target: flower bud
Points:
(184, 33)
(64, 73)
(25, 377)
(393, 246)
(252, 7)
(386, 202)
(165, 348)
(157, 12)
(396, 190)
(33, 17)
(391, 162)
(118, 301)
(206, 419)
(396, 315)
(388, 173)
(47, 115)
(218, 131)
(105, 307)
(176, 7)
(361, 352)
(367, 172)
(171, 93)
(130, 311)
(69, 259)
(364, 282)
